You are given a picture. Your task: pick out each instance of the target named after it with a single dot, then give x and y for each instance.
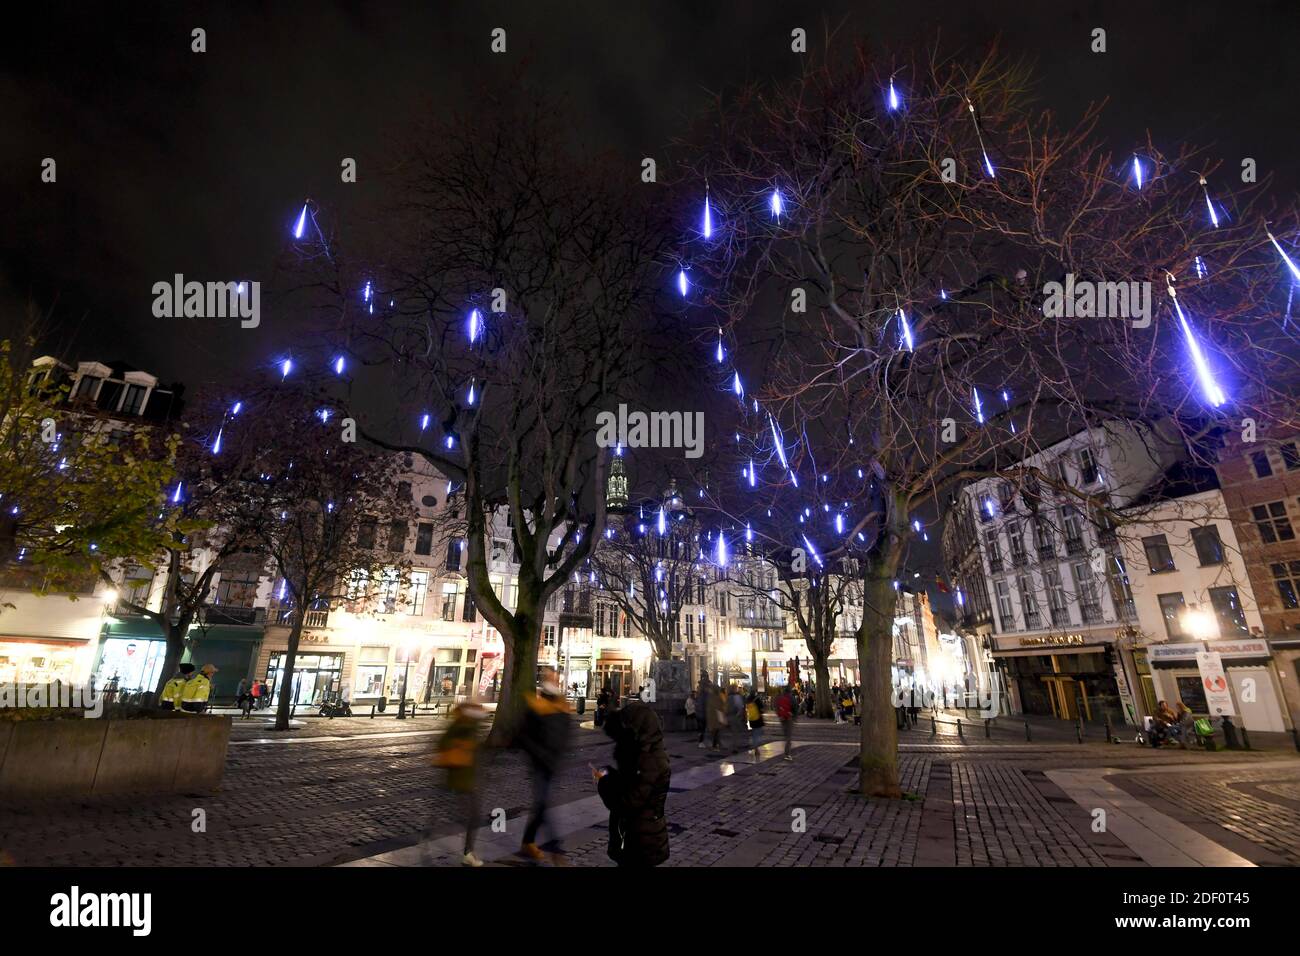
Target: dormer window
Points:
(133, 404)
(86, 387)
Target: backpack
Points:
(752, 711)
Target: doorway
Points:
(1068, 697)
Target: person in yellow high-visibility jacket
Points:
(194, 699)
(174, 689)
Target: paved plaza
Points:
(362, 792)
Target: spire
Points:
(616, 484)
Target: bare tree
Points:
(499, 306)
(891, 230)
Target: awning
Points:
(1062, 651)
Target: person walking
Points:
(544, 737)
(255, 694)
(689, 711)
(716, 717)
(457, 753)
(702, 707)
(785, 711)
(1183, 714)
(635, 789)
(244, 698)
(754, 714)
(174, 690)
(736, 719)
(602, 706)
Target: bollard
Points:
(959, 733)
(1295, 735)
(1078, 729)
(1110, 735)
(1245, 737)
(1027, 737)
(372, 711)
(934, 728)
(988, 733)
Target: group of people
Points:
(1171, 725)
(634, 788)
(845, 700)
(717, 711)
(252, 695)
(188, 690)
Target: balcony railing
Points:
(1091, 611)
(1074, 546)
(1033, 620)
(312, 619)
(1060, 617)
(1019, 559)
(995, 564)
(1046, 552)
(232, 614)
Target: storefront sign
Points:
(1056, 640)
(1252, 648)
(1218, 697)
(1174, 652)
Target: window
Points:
(1044, 540)
(397, 536)
(86, 387)
(1121, 592)
(424, 539)
(389, 591)
(1291, 456)
(419, 588)
(1028, 605)
(1017, 544)
(1060, 471)
(453, 554)
(1088, 470)
(986, 510)
(366, 533)
(548, 635)
(1209, 549)
(1056, 597)
(1272, 522)
(134, 400)
(110, 393)
(500, 548)
(1171, 608)
(1004, 605)
(449, 602)
(1228, 609)
(403, 491)
(1259, 461)
(468, 612)
(995, 553)
(1286, 575)
(1159, 557)
(357, 582)
(1072, 528)
(1006, 496)
(429, 501)
(237, 588)
(1086, 591)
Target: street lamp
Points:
(1201, 625)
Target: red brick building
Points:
(1261, 485)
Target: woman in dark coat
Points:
(636, 787)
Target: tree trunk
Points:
(286, 681)
(520, 670)
(822, 687)
(878, 759)
(172, 659)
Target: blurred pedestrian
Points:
(689, 710)
(736, 719)
(544, 736)
(716, 716)
(635, 789)
(244, 697)
(458, 753)
(602, 705)
(754, 714)
(786, 707)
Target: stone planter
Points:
(79, 758)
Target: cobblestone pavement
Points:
(349, 789)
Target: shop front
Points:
(232, 649)
(41, 660)
(1253, 684)
(130, 656)
(315, 674)
(1061, 676)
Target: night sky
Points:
(171, 161)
